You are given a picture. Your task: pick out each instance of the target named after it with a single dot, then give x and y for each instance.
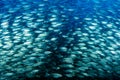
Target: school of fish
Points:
(55, 39)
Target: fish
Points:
(45, 39)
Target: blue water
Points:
(78, 39)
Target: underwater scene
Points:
(59, 39)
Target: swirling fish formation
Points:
(59, 39)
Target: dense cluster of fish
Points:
(54, 39)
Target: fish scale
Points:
(56, 40)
